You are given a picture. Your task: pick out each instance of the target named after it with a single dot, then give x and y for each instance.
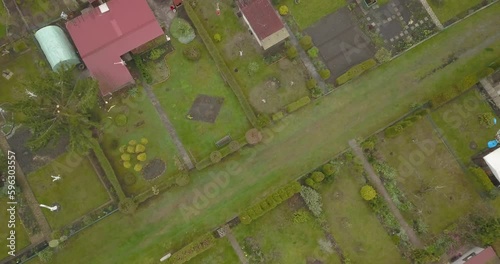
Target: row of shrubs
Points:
(221, 64)
(399, 127)
(217, 155)
(292, 107)
(356, 71)
(108, 169)
(316, 177)
(192, 249)
(270, 202)
(142, 69)
(485, 181)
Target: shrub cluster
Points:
(313, 52)
(298, 104)
(108, 169)
(156, 53)
(356, 71)
(134, 149)
(306, 42)
(292, 53)
(193, 249)
(397, 128)
(383, 55)
(142, 69)
(451, 92)
(311, 84)
(277, 116)
(182, 30)
(483, 178)
(270, 202)
(487, 119)
(324, 73)
(368, 193)
(316, 177)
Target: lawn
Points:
(429, 176)
(142, 122)
(448, 9)
(459, 121)
(289, 76)
(78, 192)
(302, 141)
(220, 253)
(187, 81)
(22, 238)
(309, 12)
(353, 223)
(281, 240)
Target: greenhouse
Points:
(56, 47)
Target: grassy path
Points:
(302, 142)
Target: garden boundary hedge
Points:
(108, 170)
(192, 249)
(356, 71)
(221, 64)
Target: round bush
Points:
(234, 145)
(310, 182)
(144, 141)
(292, 53)
(125, 157)
(142, 157)
(368, 193)
(122, 149)
(120, 120)
(130, 179)
(127, 164)
(138, 167)
(182, 30)
(306, 42)
(215, 156)
(54, 243)
(325, 74)
(283, 10)
(318, 176)
(130, 149)
(192, 53)
(127, 206)
(253, 136)
(311, 84)
(328, 169)
(139, 148)
(313, 52)
(217, 37)
(132, 142)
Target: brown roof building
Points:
(264, 22)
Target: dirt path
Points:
(168, 125)
(307, 62)
(236, 246)
(31, 200)
(377, 183)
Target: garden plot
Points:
(353, 223)
(447, 10)
(277, 238)
(220, 253)
(430, 178)
(78, 192)
(307, 13)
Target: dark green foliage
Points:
(142, 69)
(192, 249)
(108, 169)
(292, 53)
(482, 177)
(263, 120)
(156, 53)
(328, 169)
(61, 107)
(306, 42)
(310, 182)
(313, 52)
(318, 176)
(487, 229)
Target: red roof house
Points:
(104, 34)
(264, 22)
(478, 256)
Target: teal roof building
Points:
(56, 47)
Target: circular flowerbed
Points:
(154, 169)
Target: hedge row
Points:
(225, 151)
(356, 71)
(397, 128)
(142, 69)
(193, 249)
(298, 104)
(270, 202)
(483, 178)
(221, 65)
(108, 170)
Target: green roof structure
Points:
(56, 47)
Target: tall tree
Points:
(58, 104)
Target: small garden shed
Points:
(56, 47)
(493, 161)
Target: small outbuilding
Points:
(493, 162)
(56, 47)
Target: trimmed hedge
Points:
(298, 104)
(277, 116)
(271, 201)
(356, 71)
(108, 170)
(483, 178)
(221, 65)
(142, 69)
(193, 249)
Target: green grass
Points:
(353, 223)
(283, 241)
(460, 124)
(382, 2)
(22, 238)
(451, 8)
(188, 80)
(78, 192)
(235, 38)
(221, 253)
(423, 161)
(302, 141)
(309, 12)
(3, 30)
(142, 121)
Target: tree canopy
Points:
(58, 104)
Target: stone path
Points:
(236, 246)
(377, 183)
(493, 92)
(161, 9)
(307, 62)
(168, 125)
(30, 199)
(432, 14)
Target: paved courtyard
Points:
(341, 42)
